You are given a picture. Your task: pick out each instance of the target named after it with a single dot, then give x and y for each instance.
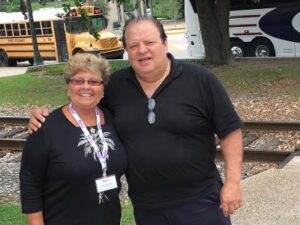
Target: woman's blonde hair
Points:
(88, 63)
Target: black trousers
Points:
(201, 211)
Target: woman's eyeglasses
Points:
(78, 82)
(151, 114)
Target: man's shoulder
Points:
(193, 66)
(124, 72)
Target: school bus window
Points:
(46, 27)
(37, 27)
(2, 30)
(22, 29)
(8, 29)
(99, 22)
(16, 29)
(28, 28)
(75, 25)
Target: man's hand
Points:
(231, 198)
(37, 117)
(231, 193)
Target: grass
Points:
(44, 85)
(10, 214)
(40, 86)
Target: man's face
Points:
(147, 53)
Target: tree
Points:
(36, 53)
(214, 25)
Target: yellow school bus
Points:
(59, 35)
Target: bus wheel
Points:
(3, 59)
(237, 48)
(262, 48)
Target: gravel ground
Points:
(279, 108)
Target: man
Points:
(166, 113)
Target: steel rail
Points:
(271, 125)
(13, 120)
(248, 124)
(248, 155)
(260, 156)
(14, 144)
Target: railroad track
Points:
(249, 154)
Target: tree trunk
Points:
(36, 53)
(214, 25)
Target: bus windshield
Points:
(75, 25)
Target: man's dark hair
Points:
(151, 19)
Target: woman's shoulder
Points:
(56, 116)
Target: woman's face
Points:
(85, 89)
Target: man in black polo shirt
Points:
(166, 113)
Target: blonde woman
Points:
(71, 168)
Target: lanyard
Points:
(102, 155)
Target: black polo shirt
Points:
(171, 160)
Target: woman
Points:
(71, 168)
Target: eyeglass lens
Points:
(151, 114)
(90, 82)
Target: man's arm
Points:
(37, 117)
(231, 193)
(35, 218)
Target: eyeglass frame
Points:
(80, 82)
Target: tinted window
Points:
(37, 27)
(8, 29)
(23, 29)
(2, 30)
(46, 27)
(16, 29)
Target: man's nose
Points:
(142, 48)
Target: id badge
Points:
(106, 183)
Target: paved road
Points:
(11, 71)
(272, 197)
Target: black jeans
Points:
(201, 211)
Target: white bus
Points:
(258, 28)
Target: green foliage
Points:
(102, 5)
(170, 9)
(11, 6)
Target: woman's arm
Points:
(35, 218)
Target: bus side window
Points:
(8, 29)
(16, 29)
(46, 27)
(37, 27)
(2, 30)
(22, 29)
